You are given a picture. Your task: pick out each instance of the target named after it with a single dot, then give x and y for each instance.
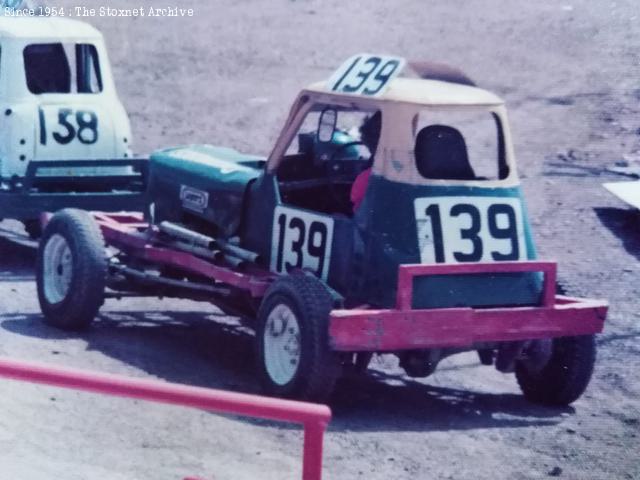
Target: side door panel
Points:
(288, 237)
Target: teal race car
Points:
(388, 218)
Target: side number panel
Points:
(470, 229)
(301, 239)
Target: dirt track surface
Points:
(569, 72)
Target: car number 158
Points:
(470, 229)
(301, 240)
(64, 125)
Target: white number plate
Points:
(301, 240)
(470, 229)
(366, 74)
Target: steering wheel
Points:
(333, 171)
(332, 164)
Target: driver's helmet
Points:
(343, 138)
(370, 131)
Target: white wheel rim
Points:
(282, 344)
(58, 269)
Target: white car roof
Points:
(43, 28)
(425, 92)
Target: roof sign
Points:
(366, 74)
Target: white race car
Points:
(65, 138)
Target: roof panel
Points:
(426, 92)
(46, 28)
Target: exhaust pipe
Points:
(196, 239)
(236, 251)
(189, 236)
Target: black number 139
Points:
(311, 243)
(472, 233)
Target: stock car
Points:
(65, 138)
(388, 218)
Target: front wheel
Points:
(292, 347)
(566, 374)
(71, 270)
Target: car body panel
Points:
(204, 181)
(628, 192)
(53, 126)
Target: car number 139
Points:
(301, 240)
(470, 229)
(366, 74)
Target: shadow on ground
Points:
(377, 401)
(214, 351)
(181, 347)
(625, 224)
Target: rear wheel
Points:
(71, 270)
(566, 374)
(292, 347)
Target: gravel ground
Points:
(569, 72)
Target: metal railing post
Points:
(312, 453)
(313, 417)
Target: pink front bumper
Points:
(403, 328)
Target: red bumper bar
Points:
(315, 418)
(404, 328)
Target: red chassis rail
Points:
(129, 232)
(401, 328)
(404, 328)
(313, 417)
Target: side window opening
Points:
(460, 145)
(88, 69)
(62, 68)
(319, 175)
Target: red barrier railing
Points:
(314, 418)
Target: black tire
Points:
(33, 228)
(317, 366)
(565, 376)
(73, 307)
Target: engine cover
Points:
(201, 185)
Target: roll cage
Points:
(399, 108)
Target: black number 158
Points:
(86, 131)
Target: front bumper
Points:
(403, 328)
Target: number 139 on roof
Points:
(366, 74)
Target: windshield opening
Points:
(62, 68)
(334, 147)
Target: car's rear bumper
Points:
(404, 328)
(35, 193)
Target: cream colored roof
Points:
(46, 28)
(427, 92)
